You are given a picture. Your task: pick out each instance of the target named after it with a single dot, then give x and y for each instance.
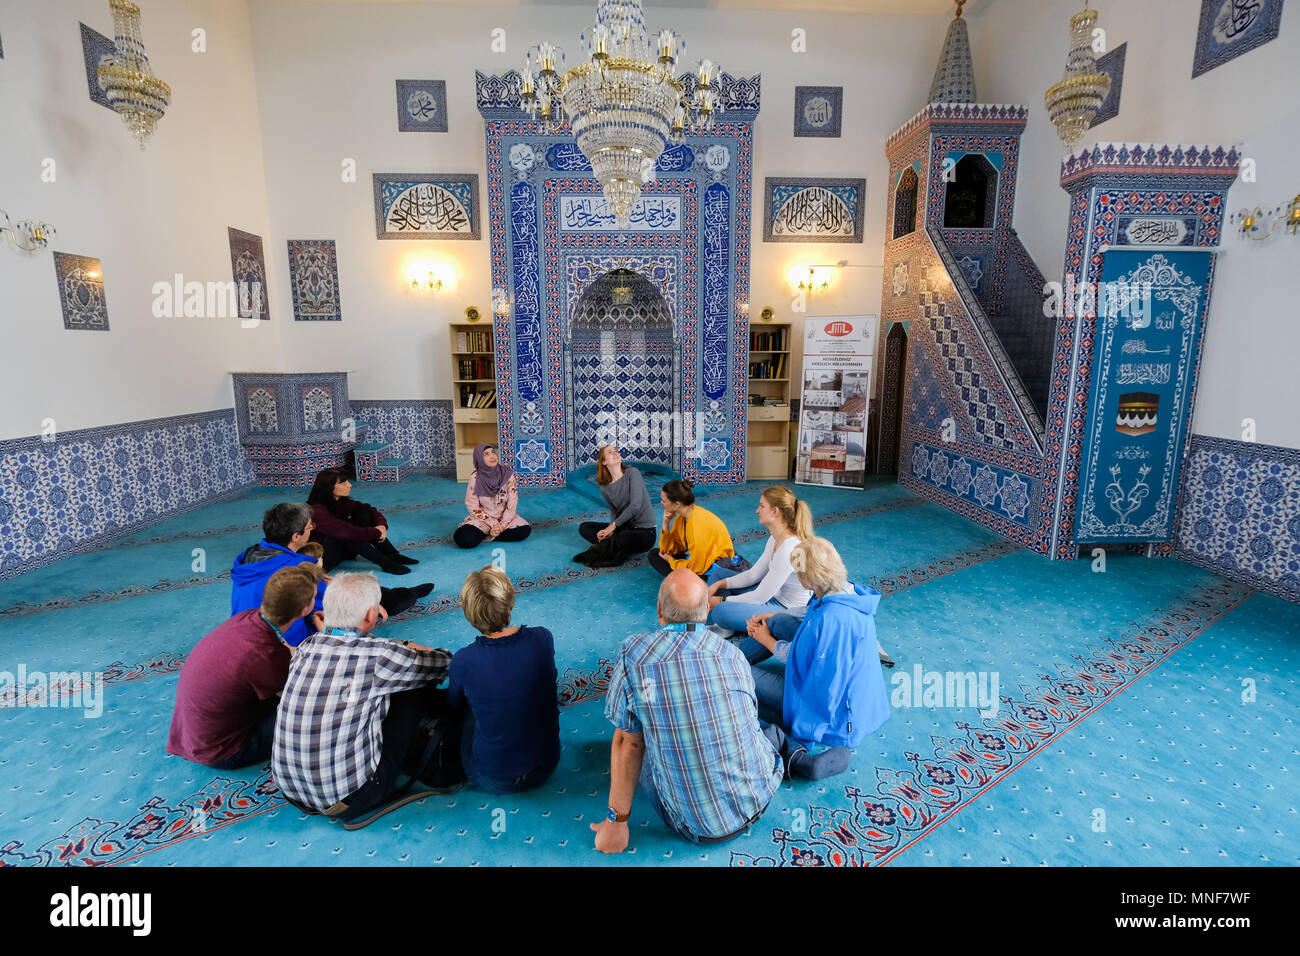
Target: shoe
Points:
(423, 590)
(394, 569)
(405, 560)
(365, 821)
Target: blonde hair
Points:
(819, 566)
(795, 513)
(287, 592)
(487, 599)
(603, 477)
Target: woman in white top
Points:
(771, 584)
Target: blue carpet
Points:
(1144, 715)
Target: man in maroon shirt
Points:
(230, 684)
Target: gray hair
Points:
(819, 566)
(683, 598)
(283, 521)
(349, 597)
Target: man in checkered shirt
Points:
(349, 717)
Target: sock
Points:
(833, 761)
(423, 590)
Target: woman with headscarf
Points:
(491, 499)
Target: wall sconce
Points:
(810, 279)
(27, 235)
(427, 276)
(1251, 224)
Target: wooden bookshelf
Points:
(767, 453)
(474, 391)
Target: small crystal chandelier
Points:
(623, 106)
(1073, 103)
(127, 79)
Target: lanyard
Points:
(684, 626)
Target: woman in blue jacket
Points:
(832, 691)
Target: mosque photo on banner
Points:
(817, 110)
(94, 47)
(422, 106)
(1230, 28)
(1112, 64)
(426, 206)
(81, 292)
(314, 280)
(249, 268)
(813, 210)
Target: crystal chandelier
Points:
(1072, 103)
(126, 78)
(623, 106)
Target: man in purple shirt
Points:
(230, 683)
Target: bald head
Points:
(683, 597)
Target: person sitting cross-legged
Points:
(631, 527)
(682, 701)
(492, 500)
(832, 691)
(349, 718)
(230, 683)
(286, 529)
(503, 686)
(692, 536)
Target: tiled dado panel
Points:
(82, 489)
(418, 429)
(1239, 513)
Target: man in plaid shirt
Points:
(349, 717)
(682, 701)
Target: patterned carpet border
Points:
(908, 804)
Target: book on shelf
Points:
(768, 368)
(477, 341)
(773, 341)
(471, 397)
(479, 366)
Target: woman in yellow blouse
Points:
(692, 535)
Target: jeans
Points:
(769, 689)
(647, 784)
(627, 541)
(468, 536)
(516, 784)
(733, 614)
(383, 553)
(257, 746)
(782, 627)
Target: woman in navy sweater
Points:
(503, 685)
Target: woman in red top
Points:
(351, 529)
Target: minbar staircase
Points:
(373, 461)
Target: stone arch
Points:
(905, 196)
(970, 198)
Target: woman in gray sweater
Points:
(632, 517)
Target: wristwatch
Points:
(613, 816)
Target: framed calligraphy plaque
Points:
(426, 206)
(813, 210)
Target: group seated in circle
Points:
(749, 675)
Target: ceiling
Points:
(919, 7)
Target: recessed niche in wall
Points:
(2, 48)
(81, 292)
(817, 110)
(422, 106)
(813, 210)
(94, 47)
(905, 203)
(1230, 28)
(426, 206)
(314, 280)
(1112, 64)
(249, 268)
(970, 196)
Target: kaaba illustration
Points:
(1137, 413)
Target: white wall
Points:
(1253, 336)
(326, 77)
(146, 215)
